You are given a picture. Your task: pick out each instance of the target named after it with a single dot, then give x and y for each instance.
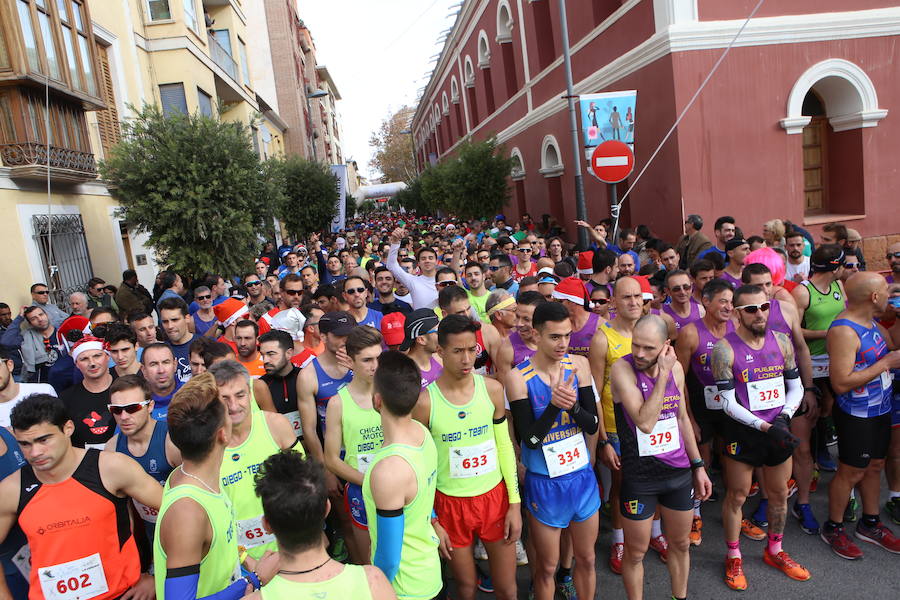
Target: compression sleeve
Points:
(793, 392)
(182, 583)
(390, 525)
(734, 409)
(507, 458)
(532, 431)
(584, 413)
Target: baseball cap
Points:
(418, 322)
(853, 235)
(734, 243)
(338, 322)
(392, 328)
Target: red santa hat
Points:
(571, 289)
(230, 310)
(73, 323)
(646, 290)
(586, 262)
(87, 343)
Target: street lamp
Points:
(315, 94)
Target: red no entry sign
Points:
(612, 161)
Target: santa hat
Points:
(571, 289)
(646, 290)
(85, 344)
(230, 310)
(392, 328)
(586, 262)
(73, 323)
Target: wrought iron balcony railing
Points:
(30, 160)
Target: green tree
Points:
(393, 156)
(309, 196)
(350, 203)
(195, 186)
(476, 180)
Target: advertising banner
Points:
(607, 116)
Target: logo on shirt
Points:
(633, 507)
(748, 358)
(745, 375)
(235, 457)
(643, 387)
(31, 487)
(92, 420)
(461, 414)
(836, 295)
(154, 468)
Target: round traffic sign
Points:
(612, 161)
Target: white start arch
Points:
(504, 22)
(454, 90)
(468, 72)
(518, 167)
(484, 50)
(551, 159)
(846, 91)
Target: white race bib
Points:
(22, 560)
(363, 462)
(766, 394)
(472, 461)
(664, 438)
(79, 579)
(886, 380)
(251, 533)
(820, 364)
(294, 418)
(711, 395)
(148, 514)
(565, 456)
(95, 446)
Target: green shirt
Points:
(419, 576)
(479, 303)
(823, 308)
(349, 584)
(361, 430)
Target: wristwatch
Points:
(697, 463)
(601, 443)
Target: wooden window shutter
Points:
(108, 119)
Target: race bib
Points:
(251, 533)
(886, 380)
(22, 560)
(148, 514)
(712, 398)
(294, 418)
(95, 446)
(664, 438)
(363, 462)
(79, 579)
(820, 366)
(472, 461)
(766, 394)
(565, 456)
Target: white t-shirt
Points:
(801, 269)
(25, 390)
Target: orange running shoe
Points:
(696, 535)
(786, 565)
(791, 487)
(754, 489)
(734, 574)
(752, 531)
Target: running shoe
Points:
(893, 509)
(814, 482)
(661, 546)
(616, 552)
(485, 584)
(786, 565)
(479, 552)
(829, 430)
(807, 519)
(759, 516)
(841, 544)
(825, 462)
(791, 487)
(754, 489)
(566, 588)
(879, 535)
(521, 556)
(749, 530)
(696, 535)
(850, 513)
(734, 574)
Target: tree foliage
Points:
(393, 156)
(195, 186)
(309, 195)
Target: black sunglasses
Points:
(891, 255)
(359, 290)
(292, 292)
(447, 283)
(601, 301)
(42, 292)
(206, 297)
(118, 409)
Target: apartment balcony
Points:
(29, 160)
(221, 57)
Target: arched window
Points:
(518, 169)
(454, 90)
(484, 51)
(504, 23)
(468, 72)
(445, 104)
(551, 160)
(517, 174)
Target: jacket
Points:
(31, 345)
(689, 246)
(131, 299)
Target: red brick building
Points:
(795, 124)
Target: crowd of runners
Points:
(414, 407)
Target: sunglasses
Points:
(891, 255)
(206, 297)
(686, 287)
(494, 268)
(292, 292)
(525, 250)
(99, 289)
(600, 301)
(447, 283)
(118, 409)
(753, 308)
(249, 283)
(42, 292)
(359, 290)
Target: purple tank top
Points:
(434, 371)
(521, 351)
(750, 366)
(701, 360)
(682, 321)
(776, 319)
(580, 342)
(733, 281)
(677, 458)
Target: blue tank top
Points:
(154, 463)
(564, 427)
(328, 387)
(10, 462)
(874, 398)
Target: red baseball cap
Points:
(392, 328)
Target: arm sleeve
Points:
(179, 586)
(390, 525)
(507, 457)
(584, 413)
(734, 409)
(793, 390)
(532, 431)
(12, 337)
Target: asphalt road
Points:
(876, 575)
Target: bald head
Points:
(627, 286)
(652, 325)
(862, 285)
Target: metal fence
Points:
(70, 254)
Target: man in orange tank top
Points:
(72, 505)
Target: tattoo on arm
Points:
(787, 349)
(722, 361)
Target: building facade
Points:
(796, 123)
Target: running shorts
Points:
(709, 421)
(895, 403)
(639, 498)
(353, 502)
(861, 439)
(558, 501)
(751, 446)
(464, 517)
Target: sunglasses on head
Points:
(359, 290)
(447, 283)
(292, 292)
(206, 297)
(753, 308)
(118, 409)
